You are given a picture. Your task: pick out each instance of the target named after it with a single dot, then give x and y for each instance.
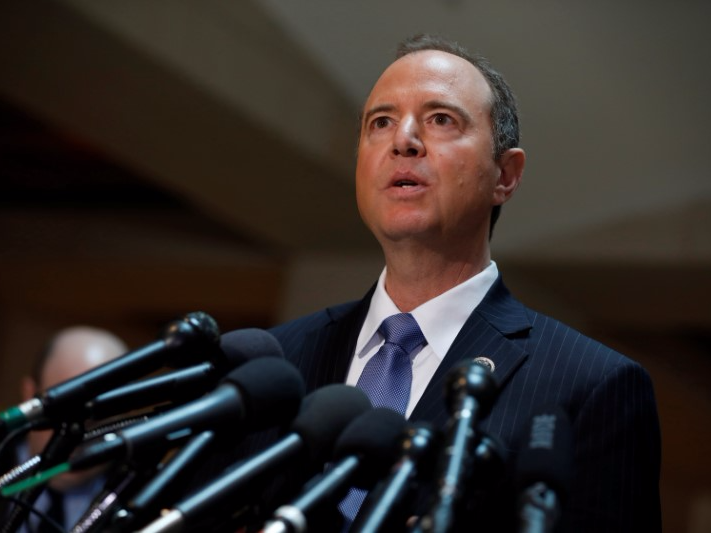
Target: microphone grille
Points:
(325, 413)
(375, 436)
(193, 338)
(204, 325)
(271, 389)
(471, 378)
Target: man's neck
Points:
(415, 278)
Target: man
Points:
(70, 352)
(437, 158)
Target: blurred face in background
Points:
(73, 352)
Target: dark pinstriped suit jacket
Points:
(539, 361)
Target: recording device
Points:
(544, 470)
(470, 393)
(146, 485)
(257, 395)
(488, 466)
(364, 452)
(324, 415)
(190, 339)
(175, 387)
(179, 386)
(166, 484)
(138, 496)
(385, 507)
(142, 500)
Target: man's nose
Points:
(407, 141)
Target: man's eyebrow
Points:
(383, 108)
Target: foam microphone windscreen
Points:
(374, 436)
(271, 390)
(242, 345)
(325, 413)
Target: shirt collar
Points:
(440, 318)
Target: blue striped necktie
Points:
(386, 379)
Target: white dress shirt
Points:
(440, 320)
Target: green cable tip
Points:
(37, 479)
(13, 418)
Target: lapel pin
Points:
(486, 362)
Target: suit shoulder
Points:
(290, 332)
(556, 340)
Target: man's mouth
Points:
(405, 183)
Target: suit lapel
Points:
(328, 350)
(496, 329)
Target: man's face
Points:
(71, 356)
(426, 168)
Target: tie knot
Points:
(402, 329)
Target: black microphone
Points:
(146, 484)
(544, 470)
(190, 339)
(257, 395)
(384, 508)
(324, 414)
(180, 386)
(242, 345)
(364, 453)
(162, 489)
(489, 466)
(470, 392)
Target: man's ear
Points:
(511, 165)
(28, 388)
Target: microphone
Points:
(489, 466)
(258, 394)
(470, 392)
(179, 386)
(365, 451)
(239, 347)
(383, 509)
(122, 480)
(146, 484)
(183, 342)
(324, 415)
(544, 470)
(242, 345)
(162, 488)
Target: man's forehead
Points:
(433, 63)
(428, 74)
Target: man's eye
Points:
(442, 120)
(380, 122)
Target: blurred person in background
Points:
(70, 352)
